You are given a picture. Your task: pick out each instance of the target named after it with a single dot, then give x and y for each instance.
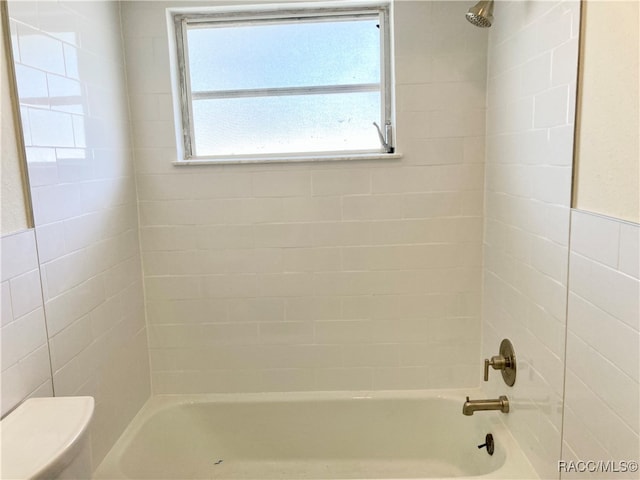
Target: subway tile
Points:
(26, 293)
(301, 356)
(610, 337)
(32, 86)
(290, 235)
(564, 69)
(286, 332)
(315, 209)
(313, 308)
(595, 237)
(70, 342)
(25, 377)
(373, 355)
(618, 391)
(343, 332)
(40, 50)
(256, 309)
(197, 310)
(285, 380)
(22, 337)
(428, 205)
(18, 254)
(551, 107)
(6, 313)
(311, 259)
(400, 378)
(371, 207)
(628, 261)
(536, 74)
(285, 285)
(51, 241)
(327, 379)
(252, 210)
(340, 182)
(73, 303)
(166, 238)
(228, 236)
(51, 129)
(280, 184)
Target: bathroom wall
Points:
(13, 209)
(602, 391)
(321, 276)
(25, 354)
(608, 121)
(71, 84)
(23, 339)
(533, 52)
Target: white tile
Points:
(74, 303)
(551, 107)
(18, 254)
(51, 241)
(25, 377)
(40, 50)
(341, 182)
(286, 332)
(26, 293)
(6, 315)
(564, 68)
(613, 339)
(32, 85)
(595, 237)
(51, 129)
(612, 386)
(327, 379)
(22, 337)
(281, 184)
(629, 261)
(369, 207)
(70, 342)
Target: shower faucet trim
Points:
(501, 403)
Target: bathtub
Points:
(382, 435)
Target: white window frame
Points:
(259, 14)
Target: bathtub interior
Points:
(311, 439)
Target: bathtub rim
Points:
(516, 466)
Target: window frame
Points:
(181, 19)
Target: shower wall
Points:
(602, 385)
(72, 91)
(533, 54)
(319, 276)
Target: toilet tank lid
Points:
(40, 433)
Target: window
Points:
(284, 82)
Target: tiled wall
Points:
(354, 275)
(602, 388)
(71, 83)
(530, 113)
(25, 354)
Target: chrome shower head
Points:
(481, 14)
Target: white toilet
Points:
(47, 438)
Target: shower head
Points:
(481, 14)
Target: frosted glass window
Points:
(284, 82)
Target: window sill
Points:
(293, 159)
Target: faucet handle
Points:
(505, 361)
(498, 362)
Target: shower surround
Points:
(319, 276)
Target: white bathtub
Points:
(382, 435)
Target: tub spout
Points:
(471, 406)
